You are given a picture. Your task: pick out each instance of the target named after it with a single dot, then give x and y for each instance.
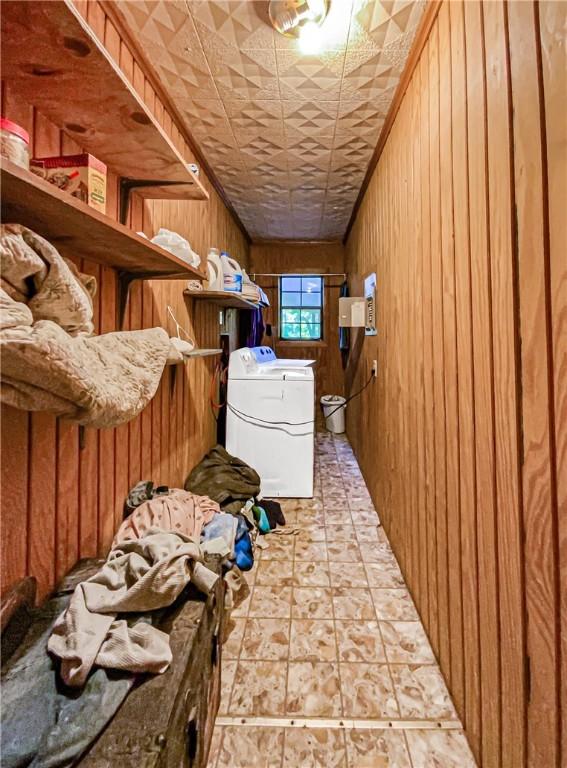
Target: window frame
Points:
(320, 307)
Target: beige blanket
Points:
(49, 361)
(178, 511)
(139, 575)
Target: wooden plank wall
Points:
(58, 502)
(306, 258)
(463, 439)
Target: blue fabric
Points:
(45, 725)
(243, 550)
(261, 519)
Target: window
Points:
(301, 306)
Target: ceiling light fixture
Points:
(299, 18)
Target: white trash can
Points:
(334, 411)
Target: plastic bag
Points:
(177, 245)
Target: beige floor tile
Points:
(251, 747)
(376, 749)
(367, 691)
(339, 516)
(311, 532)
(353, 604)
(313, 689)
(378, 553)
(380, 576)
(265, 639)
(259, 688)
(362, 518)
(314, 748)
(344, 552)
(311, 551)
(311, 574)
(270, 603)
(275, 573)
(231, 648)
(279, 548)
(348, 575)
(439, 749)
(228, 671)
(394, 605)
(406, 642)
(370, 534)
(340, 532)
(312, 640)
(421, 692)
(242, 609)
(359, 641)
(312, 603)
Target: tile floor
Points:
(327, 663)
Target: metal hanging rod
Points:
(299, 274)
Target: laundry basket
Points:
(334, 412)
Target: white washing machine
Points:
(271, 419)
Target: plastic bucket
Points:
(334, 411)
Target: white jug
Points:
(215, 271)
(232, 273)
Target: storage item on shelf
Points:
(194, 285)
(249, 289)
(177, 245)
(14, 143)
(232, 273)
(215, 278)
(102, 381)
(83, 176)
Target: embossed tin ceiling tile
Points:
(204, 115)
(244, 75)
(310, 77)
(262, 148)
(309, 149)
(310, 118)
(255, 115)
(274, 166)
(243, 24)
(375, 23)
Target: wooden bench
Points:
(167, 720)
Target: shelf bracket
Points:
(125, 280)
(127, 185)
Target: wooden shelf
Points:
(76, 229)
(204, 353)
(223, 299)
(57, 64)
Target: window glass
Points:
(301, 304)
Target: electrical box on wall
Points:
(360, 311)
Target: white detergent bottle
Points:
(215, 271)
(232, 273)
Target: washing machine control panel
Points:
(263, 354)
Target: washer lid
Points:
(262, 363)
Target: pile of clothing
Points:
(236, 487)
(51, 361)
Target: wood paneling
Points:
(462, 438)
(60, 502)
(307, 258)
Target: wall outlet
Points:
(375, 368)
